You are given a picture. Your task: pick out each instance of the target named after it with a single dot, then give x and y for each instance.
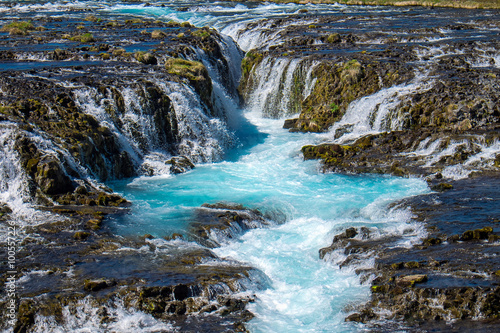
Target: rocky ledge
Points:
(426, 98)
(83, 102)
(427, 105)
(76, 261)
(447, 279)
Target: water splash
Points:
(378, 112)
(279, 86)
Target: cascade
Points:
(294, 290)
(377, 112)
(277, 86)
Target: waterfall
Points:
(278, 86)
(262, 34)
(376, 113)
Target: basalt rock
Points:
(215, 223)
(180, 164)
(449, 276)
(172, 284)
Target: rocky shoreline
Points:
(468, 4)
(450, 279)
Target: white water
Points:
(306, 294)
(378, 112)
(84, 318)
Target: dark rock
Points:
(51, 177)
(96, 285)
(290, 123)
(180, 164)
(442, 187)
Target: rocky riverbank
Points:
(411, 102)
(469, 4)
(87, 101)
(427, 104)
(446, 280)
(76, 261)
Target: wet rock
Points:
(96, 285)
(442, 187)
(146, 58)
(180, 164)
(214, 223)
(81, 235)
(5, 211)
(477, 234)
(51, 178)
(411, 280)
(25, 316)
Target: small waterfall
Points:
(151, 134)
(474, 153)
(13, 180)
(377, 112)
(279, 86)
(201, 137)
(262, 34)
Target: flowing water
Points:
(265, 170)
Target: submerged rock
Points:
(214, 224)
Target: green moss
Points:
(145, 58)
(81, 235)
(379, 289)
(334, 108)
(333, 38)
(251, 59)
(85, 38)
(18, 27)
(192, 70)
(202, 33)
(157, 34)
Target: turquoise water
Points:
(305, 294)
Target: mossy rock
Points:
(379, 289)
(333, 38)
(25, 316)
(192, 70)
(411, 280)
(412, 264)
(85, 38)
(51, 177)
(252, 58)
(202, 33)
(81, 235)
(145, 58)
(158, 34)
(477, 234)
(442, 187)
(18, 27)
(96, 285)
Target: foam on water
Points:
(377, 112)
(83, 318)
(306, 293)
